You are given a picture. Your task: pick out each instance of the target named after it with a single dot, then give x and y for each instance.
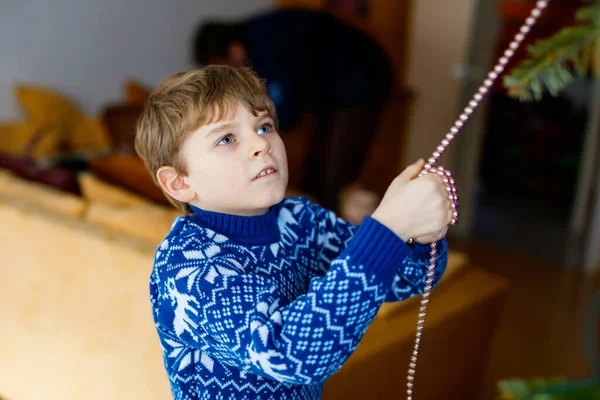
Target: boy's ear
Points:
(175, 184)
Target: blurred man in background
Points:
(312, 63)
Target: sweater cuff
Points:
(422, 251)
(378, 249)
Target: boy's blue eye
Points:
(225, 140)
(265, 128)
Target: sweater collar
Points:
(253, 231)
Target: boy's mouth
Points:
(266, 172)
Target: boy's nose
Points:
(259, 146)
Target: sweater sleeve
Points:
(411, 276)
(332, 234)
(243, 319)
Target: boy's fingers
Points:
(412, 171)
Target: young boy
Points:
(253, 295)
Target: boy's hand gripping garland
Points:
(430, 168)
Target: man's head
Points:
(209, 138)
(220, 43)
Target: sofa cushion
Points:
(5, 176)
(45, 107)
(23, 192)
(97, 190)
(87, 137)
(123, 212)
(147, 222)
(15, 136)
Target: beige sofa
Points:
(76, 320)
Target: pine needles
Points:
(554, 62)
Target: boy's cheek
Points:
(283, 158)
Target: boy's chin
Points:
(273, 198)
(261, 206)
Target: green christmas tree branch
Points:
(556, 388)
(554, 62)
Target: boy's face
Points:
(236, 166)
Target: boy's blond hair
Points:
(184, 102)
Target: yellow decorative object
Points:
(41, 196)
(44, 106)
(47, 108)
(96, 190)
(14, 138)
(87, 135)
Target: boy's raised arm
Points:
(333, 234)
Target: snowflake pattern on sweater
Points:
(269, 307)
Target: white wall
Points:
(439, 39)
(88, 48)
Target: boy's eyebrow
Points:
(265, 116)
(219, 129)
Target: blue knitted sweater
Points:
(269, 307)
